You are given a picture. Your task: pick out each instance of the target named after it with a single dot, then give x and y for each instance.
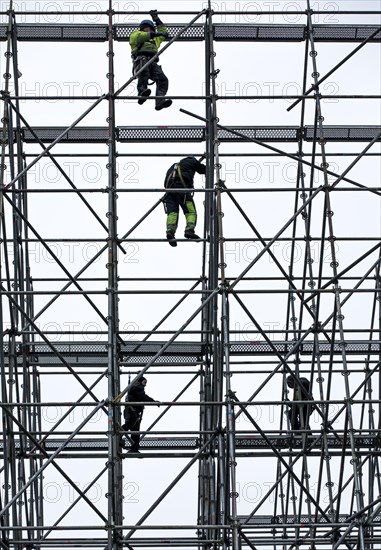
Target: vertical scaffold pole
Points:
(115, 512)
(7, 370)
(219, 271)
(230, 423)
(25, 376)
(207, 483)
(356, 462)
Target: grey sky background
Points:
(245, 68)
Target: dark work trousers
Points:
(132, 422)
(153, 72)
(172, 202)
(299, 416)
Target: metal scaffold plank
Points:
(243, 442)
(86, 354)
(49, 32)
(303, 518)
(147, 134)
(353, 347)
(90, 354)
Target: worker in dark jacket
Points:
(180, 175)
(299, 413)
(145, 43)
(133, 414)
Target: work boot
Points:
(171, 238)
(190, 234)
(144, 93)
(163, 104)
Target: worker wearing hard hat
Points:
(145, 43)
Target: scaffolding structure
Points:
(228, 431)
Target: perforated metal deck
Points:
(337, 441)
(135, 134)
(290, 520)
(242, 442)
(94, 354)
(159, 133)
(80, 134)
(222, 32)
(344, 133)
(91, 354)
(352, 347)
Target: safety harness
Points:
(169, 182)
(139, 60)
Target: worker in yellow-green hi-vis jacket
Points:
(145, 43)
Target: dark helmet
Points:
(147, 23)
(290, 381)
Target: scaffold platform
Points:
(135, 353)
(257, 521)
(83, 447)
(90, 354)
(50, 32)
(176, 134)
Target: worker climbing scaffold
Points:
(145, 43)
(180, 175)
(300, 409)
(133, 413)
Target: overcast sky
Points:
(246, 68)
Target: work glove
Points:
(155, 17)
